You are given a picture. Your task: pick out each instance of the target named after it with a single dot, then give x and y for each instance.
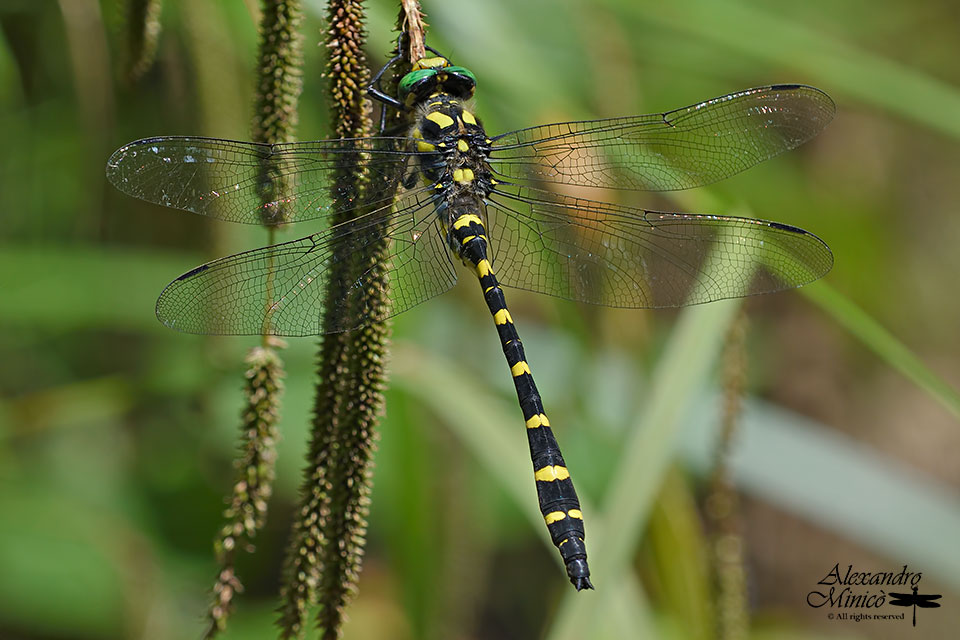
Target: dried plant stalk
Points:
(327, 546)
(247, 512)
(326, 552)
(275, 119)
(723, 505)
(142, 25)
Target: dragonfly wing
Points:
(282, 289)
(680, 149)
(926, 600)
(619, 256)
(249, 182)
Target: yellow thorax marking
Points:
(463, 175)
(468, 117)
(441, 119)
(519, 369)
(549, 474)
(537, 421)
(434, 62)
(554, 516)
(462, 145)
(424, 146)
(502, 317)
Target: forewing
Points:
(624, 257)
(249, 182)
(281, 289)
(679, 149)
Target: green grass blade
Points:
(679, 378)
(884, 344)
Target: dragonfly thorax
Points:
(454, 147)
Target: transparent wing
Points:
(249, 182)
(679, 149)
(281, 289)
(623, 257)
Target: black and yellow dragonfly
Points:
(507, 203)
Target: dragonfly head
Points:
(433, 75)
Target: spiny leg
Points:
(558, 499)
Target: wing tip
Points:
(193, 272)
(824, 261)
(827, 106)
(789, 227)
(114, 169)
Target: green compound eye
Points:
(459, 81)
(462, 71)
(412, 79)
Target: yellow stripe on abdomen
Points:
(554, 516)
(520, 368)
(465, 220)
(483, 268)
(539, 420)
(552, 473)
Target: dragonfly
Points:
(922, 600)
(512, 208)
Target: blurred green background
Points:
(116, 435)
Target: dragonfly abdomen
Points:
(555, 492)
